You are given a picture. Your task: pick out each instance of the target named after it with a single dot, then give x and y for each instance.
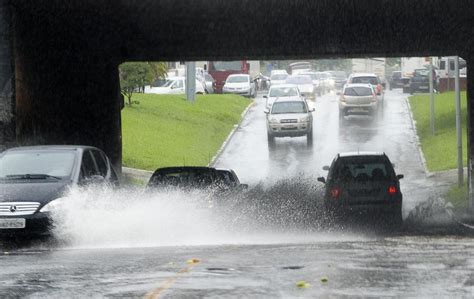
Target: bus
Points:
(220, 70)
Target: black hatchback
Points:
(33, 178)
(363, 183)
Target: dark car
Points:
(31, 178)
(363, 183)
(396, 80)
(420, 82)
(189, 177)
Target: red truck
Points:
(220, 70)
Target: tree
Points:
(135, 75)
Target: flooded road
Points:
(307, 266)
(131, 243)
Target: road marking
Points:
(156, 293)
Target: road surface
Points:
(134, 244)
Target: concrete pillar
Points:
(470, 127)
(7, 79)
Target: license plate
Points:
(424, 87)
(358, 110)
(12, 223)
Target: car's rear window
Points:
(358, 91)
(364, 168)
(189, 179)
(365, 80)
(279, 77)
(299, 80)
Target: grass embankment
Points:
(440, 149)
(458, 196)
(166, 130)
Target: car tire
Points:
(394, 220)
(270, 138)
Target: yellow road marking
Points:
(156, 293)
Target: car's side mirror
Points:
(325, 167)
(312, 110)
(322, 180)
(266, 111)
(338, 93)
(400, 176)
(265, 97)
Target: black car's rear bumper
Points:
(348, 207)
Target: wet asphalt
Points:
(267, 263)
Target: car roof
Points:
(284, 86)
(363, 75)
(50, 147)
(358, 154)
(358, 85)
(238, 75)
(184, 168)
(289, 99)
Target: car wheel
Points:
(394, 220)
(270, 138)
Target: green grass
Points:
(166, 130)
(440, 150)
(458, 196)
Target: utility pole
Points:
(432, 108)
(191, 81)
(458, 121)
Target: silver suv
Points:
(358, 99)
(289, 118)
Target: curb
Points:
(429, 174)
(136, 173)
(417, 139)
(231, 134)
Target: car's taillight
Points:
(335, 192)
(392, 190)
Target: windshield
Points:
(358, 91)
(167, 83)
(238, 79)
(422, 72)
(365, 80)
(54, 163)
(313, 76)
(283, 92)
(279, 77)
(339, 75)
(289, 107)
(299, 80)
(226, 65)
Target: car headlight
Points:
(273, 120)
(53, 205)
(304, 119)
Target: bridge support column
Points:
(7, 80)
(470, 128)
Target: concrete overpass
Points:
(59, 58)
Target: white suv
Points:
(289, 118)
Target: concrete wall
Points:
(7, 95)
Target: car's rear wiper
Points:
(31, 176)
